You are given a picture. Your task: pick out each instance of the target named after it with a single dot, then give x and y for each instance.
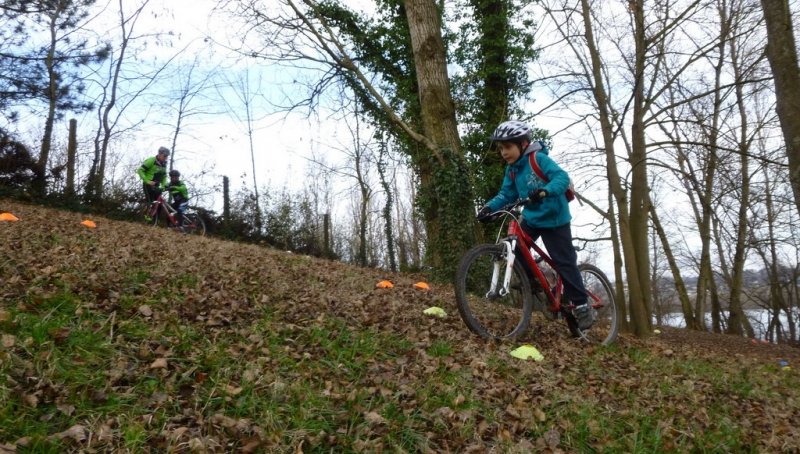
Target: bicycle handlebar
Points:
(509, 209)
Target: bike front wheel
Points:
(487, 310)
(193, 224)
(601, 296)
(148, 212)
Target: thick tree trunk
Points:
(782, 55)
(738, 322)
(639, 285)
(680, 286)
(72, 151)
(387, 208)
(618, 193)
(40, 179)
(447, 202)
(709, 196)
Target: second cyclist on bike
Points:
(178, 193)
(547, 214)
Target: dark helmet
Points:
(174, 173)
(163, 150)
(511, 131)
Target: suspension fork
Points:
(509, 245)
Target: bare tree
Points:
(296, 30)
(661, 71)
(244, 112)
(63, 50)
(120, 88)
(189, 99)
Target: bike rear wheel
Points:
(193, 224)
(606, 324)
(492, 316)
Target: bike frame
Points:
(170, 211)
(515, 236)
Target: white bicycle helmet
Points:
(511, 131)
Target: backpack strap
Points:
(535, 166)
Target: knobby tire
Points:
(606, 324)
(498, 317)
(193, 224)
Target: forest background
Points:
(674, 119)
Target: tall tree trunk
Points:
(447, 200)
(40, 178)
(616, 246)
(403, 234)
(387, 207)
(226, 202)
(776, 302)
(72, 151)
(680, 286)
(363, 212)
(782, 56)
(705, 282)
(618, 192)
(493, 24)
(738, 322)
(639, 284)
(633, 228)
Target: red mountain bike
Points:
(160, 212)
(499, 285)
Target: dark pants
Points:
(180, 204)
(151, 192)
(558, 242)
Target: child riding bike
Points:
(547, 214)
(178, 193)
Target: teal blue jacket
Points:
(554, 209)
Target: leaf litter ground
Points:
(125, 337)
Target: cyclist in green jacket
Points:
(153, 173)
(178, 193)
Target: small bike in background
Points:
(499, 285)
(160, 212)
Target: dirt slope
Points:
(225, 287)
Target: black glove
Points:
(484, 214)
(537, 195)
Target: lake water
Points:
(759, 318)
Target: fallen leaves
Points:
(159, 363)
(75, 433)
(374, 418)
(8, 340)
(209, 337)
